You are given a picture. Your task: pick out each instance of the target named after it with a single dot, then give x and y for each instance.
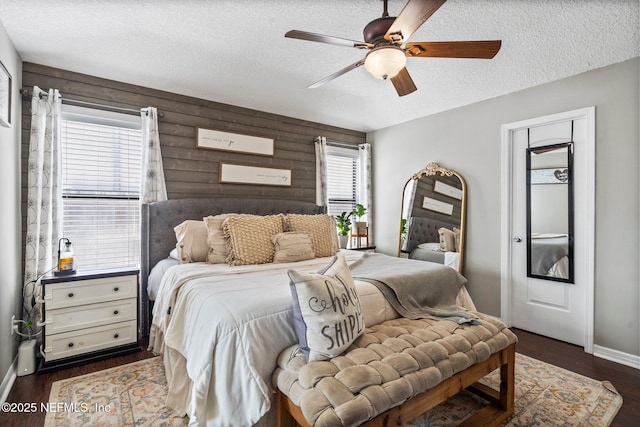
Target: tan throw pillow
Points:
(456, 231)
(326, 310)
(248, 238)
(218, 252)
(447, 240)
(191, 238)
(292, 246)
(324, 235)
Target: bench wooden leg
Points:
(502, 401)
(287, 413)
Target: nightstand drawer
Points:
(87, 316)
(69, 294)
(73, 343)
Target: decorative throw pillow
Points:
(191, 239)
(292, 246)
(456, 232)
(248, 238)
(324, 234)
(447, 240)
(218, 252)
(326, 310)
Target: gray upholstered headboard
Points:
(424, 230)
(159, 219)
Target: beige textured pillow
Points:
(218, 252)
(324, 235)
(191, 238)
(248, 238)
(292, 246)
(447, 240)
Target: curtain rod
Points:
(29, 93)
(340, 144)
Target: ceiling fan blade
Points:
(337, 74)
(403, 83)
(410, 18)
(304, 35)
(484, 49)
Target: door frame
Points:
(507, 132)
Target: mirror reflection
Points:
(550, 212)
(433, 214)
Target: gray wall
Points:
(11, 272)
(467, 139)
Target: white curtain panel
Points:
(366, 194)
(322, 197)
(153, 187)
(44, 203)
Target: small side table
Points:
(88, 316)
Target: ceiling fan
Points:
(384, 39)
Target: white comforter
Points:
(222, 328)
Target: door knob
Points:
(517, 239)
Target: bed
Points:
(220, 328)
(424, 241)
(550, 255)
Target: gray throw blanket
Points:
(546, 252)
(415, 289)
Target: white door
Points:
(556, 309)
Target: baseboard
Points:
(8, 381)
(617, 356)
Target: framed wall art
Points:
(550, 176)
(239, 174)
(5, 96)
(218, 140)
(437, 206)
(447, 190)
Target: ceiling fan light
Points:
(385, 61)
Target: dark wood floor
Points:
(36, 388)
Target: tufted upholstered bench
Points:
(397, 371)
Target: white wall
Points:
(10, 218)
(467, 139)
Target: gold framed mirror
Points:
(432, 222)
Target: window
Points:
(100, 168)
(342, 179)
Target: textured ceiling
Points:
(235, 52)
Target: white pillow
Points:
(431, 246)
(326, 310)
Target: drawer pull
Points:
(70, 344)
(116, 289)
(115, 312)
(115, 335)
(70, 295)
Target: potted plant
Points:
(343, 222)
(360, 226)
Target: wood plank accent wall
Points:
(192, 172)
(426, 184)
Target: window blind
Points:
(101, 159)
(342, 172)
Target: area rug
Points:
(133, 395)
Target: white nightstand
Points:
(87, 316)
